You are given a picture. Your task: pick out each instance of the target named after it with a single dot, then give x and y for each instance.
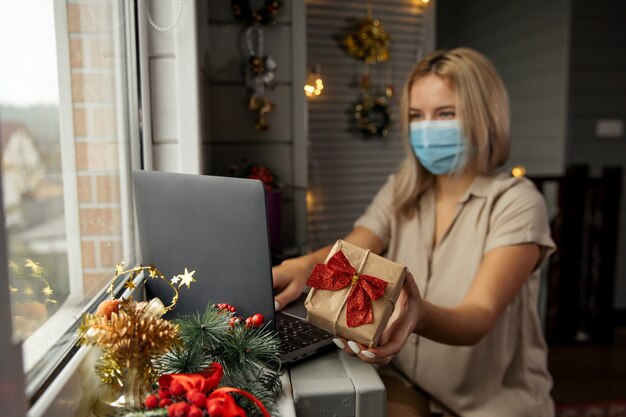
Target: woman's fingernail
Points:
(339, 343)
(354, 346)
(368, 354)
(276, 305)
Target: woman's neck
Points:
(454, 185)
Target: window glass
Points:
(65, 137)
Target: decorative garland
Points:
(265, 15)
(368, 111)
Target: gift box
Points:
(353, 293)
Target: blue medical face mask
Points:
(440, 145)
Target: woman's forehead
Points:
(431, 90)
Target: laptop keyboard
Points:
(296, 333)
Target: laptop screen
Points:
(215, 226)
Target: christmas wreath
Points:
(373, 116)
(265, 15)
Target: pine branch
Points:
(250, 361)
(205, 331)
(246, 349)
(266, 389)
(248, 355)
(182, 360)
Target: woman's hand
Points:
(289, 280)
(401, 324)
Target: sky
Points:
(28, 64)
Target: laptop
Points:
(217, 227)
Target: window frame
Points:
(25, 397)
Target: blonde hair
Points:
(482, 108)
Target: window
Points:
(68, 135)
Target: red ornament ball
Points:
(195, 412)
(152, 401)
(176, 388)
(179, 409)
(234, 321)
(164, 392)
(257, 320)
(196, 398)
(165, 402)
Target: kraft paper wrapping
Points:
(327, 309)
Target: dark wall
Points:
(527, 42)
(564, 64)
(597, 91)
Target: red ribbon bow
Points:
(219, 403)
(338, 273)
(203, 382)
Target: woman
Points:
(466, 331)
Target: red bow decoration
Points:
(195, 388)
(203, 382)
(220, 404)
(338, 273)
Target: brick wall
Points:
(94, 102)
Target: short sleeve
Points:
(520, 216)
(378, 215)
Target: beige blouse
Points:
(505, 374)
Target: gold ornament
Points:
(369, 42)
(130, 338)
(131, 335)
(263, 106)
(260, 76)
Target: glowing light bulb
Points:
(314, 84)
(310, 200)
(518, 171)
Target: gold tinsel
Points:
(131, 337)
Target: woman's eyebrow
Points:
(447, 106)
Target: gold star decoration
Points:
(35, 268)
(187, 278)
(47, 291)
(28, 291)
(184, 279)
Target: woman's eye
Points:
(447, 115)
(414, 117)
